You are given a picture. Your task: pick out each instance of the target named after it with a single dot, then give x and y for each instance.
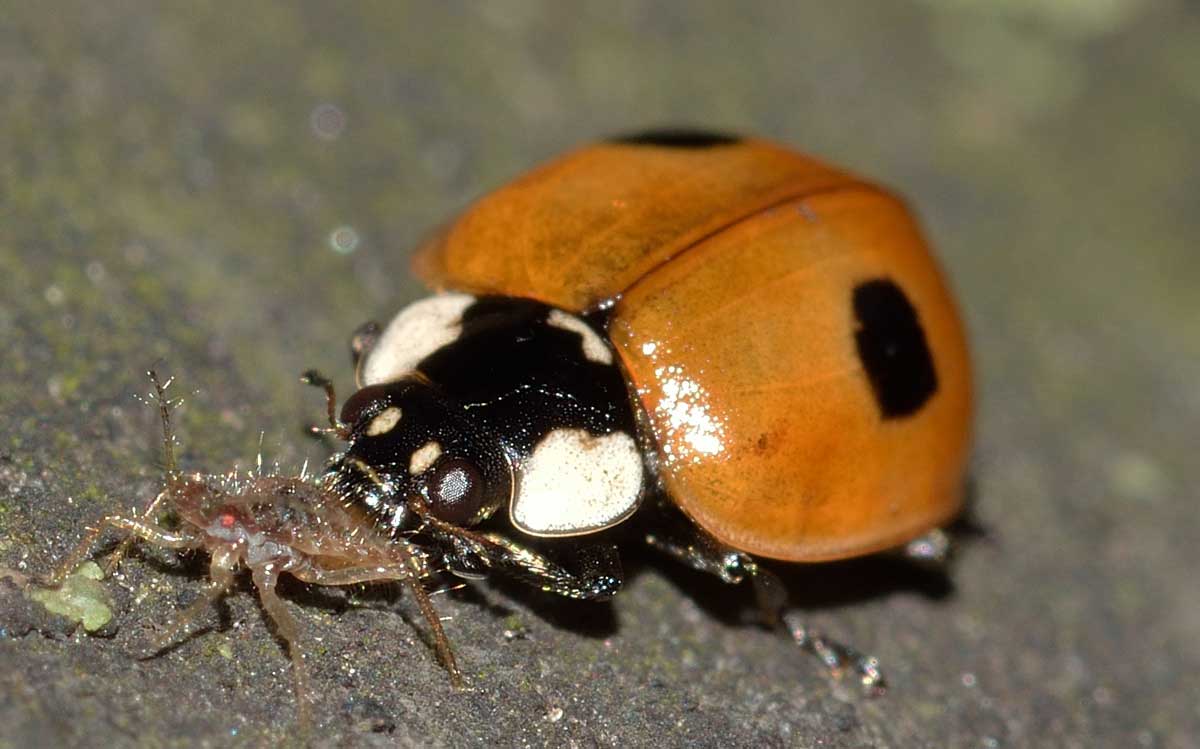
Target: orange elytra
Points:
(731, 267)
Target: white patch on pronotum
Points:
(594, 347)
(424, 456)
(413, 334)
(384, 422)
(575, 483)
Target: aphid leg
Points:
(316, 379)
(441, 642)
(265, 578)
(220, 572)
(683, 540)
(137, 528)
(147, 520)
(404, 571)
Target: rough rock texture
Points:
(232, 188)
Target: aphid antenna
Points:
(258, 458)
(157, 398)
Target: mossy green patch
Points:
(92, 493)
(514, 622)
(81, 598)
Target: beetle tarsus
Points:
(837, 657)
(932, 549)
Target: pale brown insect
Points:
(270, 525)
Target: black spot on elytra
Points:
(676, 138)
(892, 347)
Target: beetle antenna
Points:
(316, 379)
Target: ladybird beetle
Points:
(731, 347)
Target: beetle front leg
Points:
(598, 577)
(473, 554)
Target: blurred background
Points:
(232, 188)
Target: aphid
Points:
(719, 345)
(271, 525)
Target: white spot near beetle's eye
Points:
(594, 347)
(384, 422)
(413, 334)
(424, 456)
(575, 483)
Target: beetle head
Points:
(409, 442)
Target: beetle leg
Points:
(362, 341)
(704, 554)
(932, 549)
(682, 539)
(599, 576)
(836, 656)
(472, 554)
(677, 536)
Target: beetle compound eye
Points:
(456, 491)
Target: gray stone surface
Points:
(175, 178)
